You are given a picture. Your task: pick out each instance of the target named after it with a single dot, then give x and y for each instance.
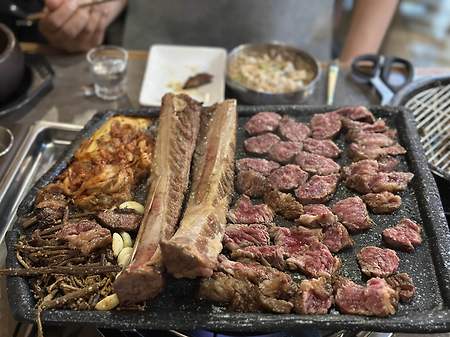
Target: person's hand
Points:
(74, 29)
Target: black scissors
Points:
(387, 74)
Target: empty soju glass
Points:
(108, 65)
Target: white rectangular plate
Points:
(168, 67)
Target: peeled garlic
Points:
(134, 205)
(127, 241)
(108, 303)
(117, 244)
(124, 257)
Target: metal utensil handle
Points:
(333, 73)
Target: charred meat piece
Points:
(317, 189)
(316, 164)
(405, 235)
(314, 260)
(364, 138)
(403, 285)
(387, 163)
(316, 216)
(267, 255)
(372, 151)
(246, 212)
(283, 204)
(336, 237)
(352, 213)
(293, 131)
(362, 167)
(241, 235)
(284, 151)
(323, 147)
(251, 183)
(85, 235)
(390, 181)
(50, 206)
(179, 122)
(377, 298)
(261, 144)
(262, 166)
(324, 126)
(378, 126)
(287, 177)
(193, 250)
(249, 287)
(382, 203)
(314, 297)
(122, 220)
(197, 80)
(357, 113)
(377, 262)
(262, 122)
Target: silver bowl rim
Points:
(238, 86)
(11, 142)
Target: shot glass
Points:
(108, 67)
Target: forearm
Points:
(369, 23)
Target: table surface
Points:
(66, 103)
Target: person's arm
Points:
(74, 29)
(369, 23)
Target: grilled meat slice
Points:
(85, 235)
(377, 298)
(179, 122)
(262, 122)
(197, 80)
(336, 237)
(317, 189)
(390, 181)
(251, 183)
(283, 152)
(358, 151)
(364, 138)
(377, 126)
(50, 205)
(267, 255)
(262, 166)
(352, 213)
(287, 177)
(377, 262)
(314, 260)
(316, 216)
(316, 164)
(261, 144)
(292, 130)
(313, 297)
(405, 235)
(193, 250)
(403, 285)
(356, 113)
(242, 235)
(325, 126)
(283, 204)
(249, 288)
(323, 147)
(382, 203)
(246, 212)
(119, 220)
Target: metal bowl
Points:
(6, 140)
(251, 96)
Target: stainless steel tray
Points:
(42, 145)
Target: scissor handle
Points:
(365, 67)
(394, 62)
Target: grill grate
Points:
(431, 110)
